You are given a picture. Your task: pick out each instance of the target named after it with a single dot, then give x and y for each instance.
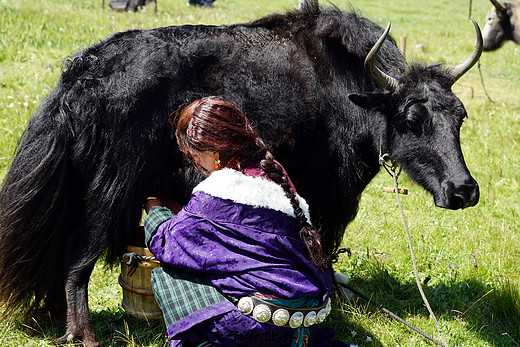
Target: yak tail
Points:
(36, 201)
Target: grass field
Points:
(471, 258)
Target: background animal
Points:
(502, 24)
(129, 5)
(100, 143)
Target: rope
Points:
(390, 313)
(393, 168)
(134, 260)
(335, 256)
(482, 81)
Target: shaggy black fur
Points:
(101, 143)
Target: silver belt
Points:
(282, 316)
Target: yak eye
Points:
(412, 116)
(415, 111)
(417, 114)
(415, 120)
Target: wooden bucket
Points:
(138, 298)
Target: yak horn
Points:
(384, 80)
(467, 64)
(498, 6)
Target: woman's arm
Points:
(157, 215)
(167, 208)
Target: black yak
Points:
(100, 143)
(502, 24)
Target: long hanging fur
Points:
(37, 211)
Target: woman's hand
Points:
(150, 203)
(172, 205)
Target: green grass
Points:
(471, 257)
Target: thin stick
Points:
(403, 46)
(482, 297)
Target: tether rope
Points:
(392, 168)
(390, 313)
(482, 81)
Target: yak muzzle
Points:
(458, 196)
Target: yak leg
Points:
(79, 326)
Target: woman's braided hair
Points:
(214, 124)
(308, 233)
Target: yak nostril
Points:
(466, 195)
(455, 196)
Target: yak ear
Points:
(372, 101)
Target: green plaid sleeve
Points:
(182, 293)
(156, 216)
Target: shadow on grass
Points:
(121, 329)
(113, 327)
(490, 311)
(347, 329)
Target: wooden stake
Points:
(403, 46)
(400, 190)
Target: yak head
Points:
(422, 125)
(501, 24)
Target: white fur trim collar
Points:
(254, 191)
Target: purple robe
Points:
(241, 232)
(244, 247)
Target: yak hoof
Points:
(70, 338)
(65, 339)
